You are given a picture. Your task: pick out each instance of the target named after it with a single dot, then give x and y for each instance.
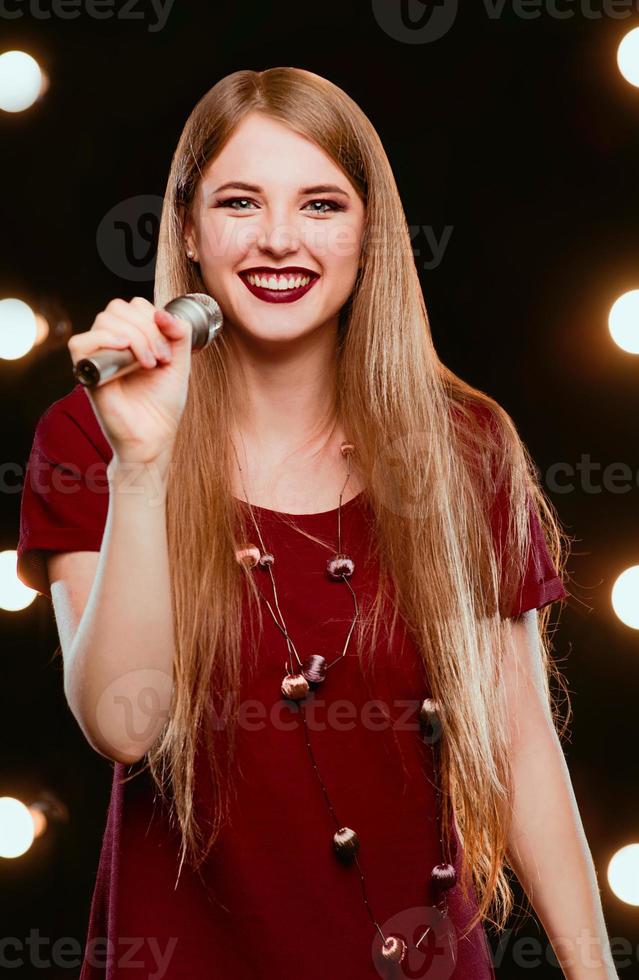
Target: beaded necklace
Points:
(305, 675)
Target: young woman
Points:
(296, 582)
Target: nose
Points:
(277, 235)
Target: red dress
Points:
(272, 900)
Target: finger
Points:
(140, 313)
(139, 341)
(98, 336)
(106, 338)
(165, 321)
(149, 330)
(143, 304)
(147, 312)
(171, 326)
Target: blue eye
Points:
(334, 206)
(230, 201)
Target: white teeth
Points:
(279, 282)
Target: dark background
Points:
(517, 134)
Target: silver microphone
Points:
(198, 309)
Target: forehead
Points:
(265, 151)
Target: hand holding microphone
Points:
(135, 362)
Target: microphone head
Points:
(202, 312)
(198, 309)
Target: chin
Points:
(278, 324)
(278, 335)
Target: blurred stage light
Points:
(623, 874)
(623, 321)
(628, 57)
(20, 825)
(18, 328)
(22, 81)
(14, 594)
(17, 828)
(27, 325)
(625, 597)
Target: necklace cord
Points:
(341, 568)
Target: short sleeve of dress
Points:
(541, 583)
(65, 495)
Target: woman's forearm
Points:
(118, 673)
(547, 845)
(550, 855)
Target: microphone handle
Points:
(108, 363)
(105, 365)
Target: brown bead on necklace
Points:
(296, 684)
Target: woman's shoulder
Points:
(70, 426)
(480, 413)
(483, 434)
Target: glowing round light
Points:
(21, 81)
(18, 328)
(623, 874)
(16, 827)
(14, 594)
(623, 321)
(628, 57)
(625, 597)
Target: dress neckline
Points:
(284, 513)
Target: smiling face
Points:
(277, 229)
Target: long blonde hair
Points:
(432, 451)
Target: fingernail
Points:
(163, 349)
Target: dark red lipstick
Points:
(278, 295)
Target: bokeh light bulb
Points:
(18, 328)
(623, 874)
(21, 81)
(628, 57)
(14, 594)
(16, 827)
(625, 597)
(623, 321)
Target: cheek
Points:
(221, 242)
(340, 245)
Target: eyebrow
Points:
(317, 189)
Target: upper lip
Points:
(285, 270)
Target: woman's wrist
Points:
(142, 479)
